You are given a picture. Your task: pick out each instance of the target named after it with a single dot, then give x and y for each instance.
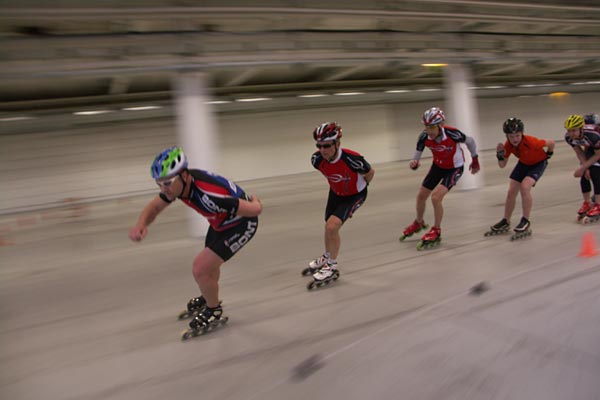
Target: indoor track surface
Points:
(88, 315)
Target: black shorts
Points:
(344, 206)
(226, 243)
(448, 177)
(535, 171)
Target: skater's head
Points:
(513, 128)
(592, 119)
(167, 169)
(433, 119)
(573, 125)
(327, 136)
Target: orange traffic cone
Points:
(588, 245)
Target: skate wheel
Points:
(336, 276)
(487, 234)
(306, 271)
(401, 238)
(311, 285)
(188, 334)
(185, 314)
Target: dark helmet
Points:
(513, 125)
(592, 119)
(328, 131)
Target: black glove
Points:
(549, 154)
(500, 155)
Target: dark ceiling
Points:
(61, 52)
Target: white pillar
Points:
(461, 112)
(196, 130)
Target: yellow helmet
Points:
(574, 121)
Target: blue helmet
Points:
(168, 163)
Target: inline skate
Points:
(315, 265)
(194, 306)
(592, 215)
(583, 210)
(501, 227)
(207, 320)
(413, 228)
(431, 239)
(324, 276)
(522, 230)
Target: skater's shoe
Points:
(315, 265)
(585, 207)
(413, 228)
(208, 316)
(195, 305)
(523, 225)
(594, 211)
(433, 234)
(325, 272)
(500, 227)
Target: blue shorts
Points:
(226, 243)
(535, 171)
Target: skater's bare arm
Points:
(251, 208)
(550, 146)
(369, 175)
(149, 213)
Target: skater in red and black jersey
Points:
(348, 175)
(448, 164)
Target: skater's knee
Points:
(202, 272)
(333, 225)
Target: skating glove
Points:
(549, 154)
(474, 164)
(500, 155)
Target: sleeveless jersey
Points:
(345, 173)
(215, 198)
(447, 153)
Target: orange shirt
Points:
(530, 151)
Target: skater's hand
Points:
(414, 164)
(579, 172)
(474, 167)
(500, 148)
(137, 233)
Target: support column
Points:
(461, 111)
(196, 131)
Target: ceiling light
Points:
(348, 93)
(308, 96)
(20, 118)
(557, 95)
(428, 90)
(248, 100)
(92, 112)
(218, 102)
(434, 65)
(494, 87)
(397, 91)
(140, 108)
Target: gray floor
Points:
(86, 314)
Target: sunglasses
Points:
(323, 146)
(167, 182)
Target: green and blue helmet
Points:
(168, 163)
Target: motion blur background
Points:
(87, 89)
(91, 90)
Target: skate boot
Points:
(583, 210)
(413, 228)
(499, 228)
(195, 305)
(592, 215)
(324, 276)
(315, 265)
(522, 230)
(430, 239)
(206, 320)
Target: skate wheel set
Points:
(584, 219)
(308, 271)
(494, 233)
(520, 235)
(191, 333)
(425, 245)
(404, 236)
(317, 284)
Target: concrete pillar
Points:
(197, 133)
(461, 112)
